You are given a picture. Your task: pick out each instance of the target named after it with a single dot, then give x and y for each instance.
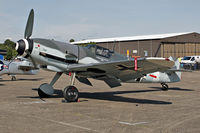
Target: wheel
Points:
(165, 86)
(71, 94)
(42, 94)
(45, 90)
(13, 78)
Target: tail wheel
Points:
(42, 94)
(71, 94)
(164, 86)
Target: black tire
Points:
(164, 86)
(71, 94)
(42, 94)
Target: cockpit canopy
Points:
(100, 51)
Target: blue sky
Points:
(87, 19)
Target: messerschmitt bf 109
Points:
(92, 61)
(18, 66)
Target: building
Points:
(160, 45)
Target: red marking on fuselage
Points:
(153, 76)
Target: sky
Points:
(90, 19)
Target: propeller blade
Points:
(29, 25)
(34, 64)
(12, 60)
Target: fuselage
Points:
(53, 54)
(58, 56)
(17, 67)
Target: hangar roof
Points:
(132, 38)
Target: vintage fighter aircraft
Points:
(19, 66)
(92, 61)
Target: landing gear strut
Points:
(71, 93)
(164, 86)
(13, 78)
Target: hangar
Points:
(159, 45)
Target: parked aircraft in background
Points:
(19, 66)
(92, 61)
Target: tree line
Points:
(9, 46)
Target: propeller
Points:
(24, 46)
(29, 25)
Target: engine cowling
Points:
(22, 45)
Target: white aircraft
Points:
(92, 61)
(19, 66)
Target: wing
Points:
(122, 70)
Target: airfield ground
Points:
(131, 108)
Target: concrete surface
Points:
(132, 108)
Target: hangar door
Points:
(179, 49)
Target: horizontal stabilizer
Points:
(176, 67)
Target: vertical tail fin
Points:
(176, 66)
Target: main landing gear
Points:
(13, 78)
(70, 93)
(164, 86)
